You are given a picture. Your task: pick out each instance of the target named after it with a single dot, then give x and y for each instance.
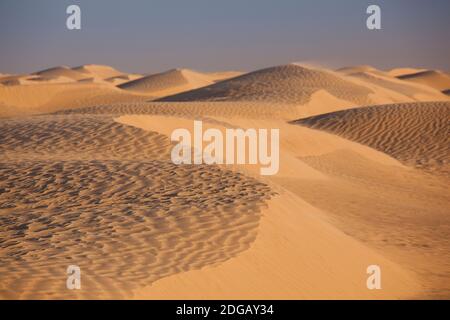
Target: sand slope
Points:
(116, 80)
(47, 97)
(92, 184)
(283, 84)
(100, 71)
(34, 79)
(434, 79)
(169, 82)
(86, 190)
(396, 72)
(410, 91)
(417, 133)
(346, 180)
(62, 71)
(63, 74)
(350, 70)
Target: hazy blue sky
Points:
(154, 35)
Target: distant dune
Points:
(169, 82)
(415, 133)
(410, 90)
(435, 79)
(49, 97)
(359, 69)
(117, 80)
(283, 84)
(31, 79)
(222, 75)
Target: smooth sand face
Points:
(86, 179)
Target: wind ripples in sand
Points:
(105, 197)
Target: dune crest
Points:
(169, 82)
(291, 84)
(101, 71)
(49, 97)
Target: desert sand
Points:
(435, 79)
(174, 81)
(87, 180)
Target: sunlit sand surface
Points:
(86, 179)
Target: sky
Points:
(149, 36)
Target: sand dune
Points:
(62, 74)
(434, 79)
(410, 91)
(360, 69)
(396, 72)
(44, 97)
(169, 82)
(116, 80)
(86, 179)
(194, 109)
(292, 84)
(32, 79)
(222, 75)
(100, 71)
(11, 80)
(416, 133)
(157, 220)
(346, 180)
(62, 71)
(104, 74)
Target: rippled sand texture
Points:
(105, 197)
(283, 84)
(415, 133)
